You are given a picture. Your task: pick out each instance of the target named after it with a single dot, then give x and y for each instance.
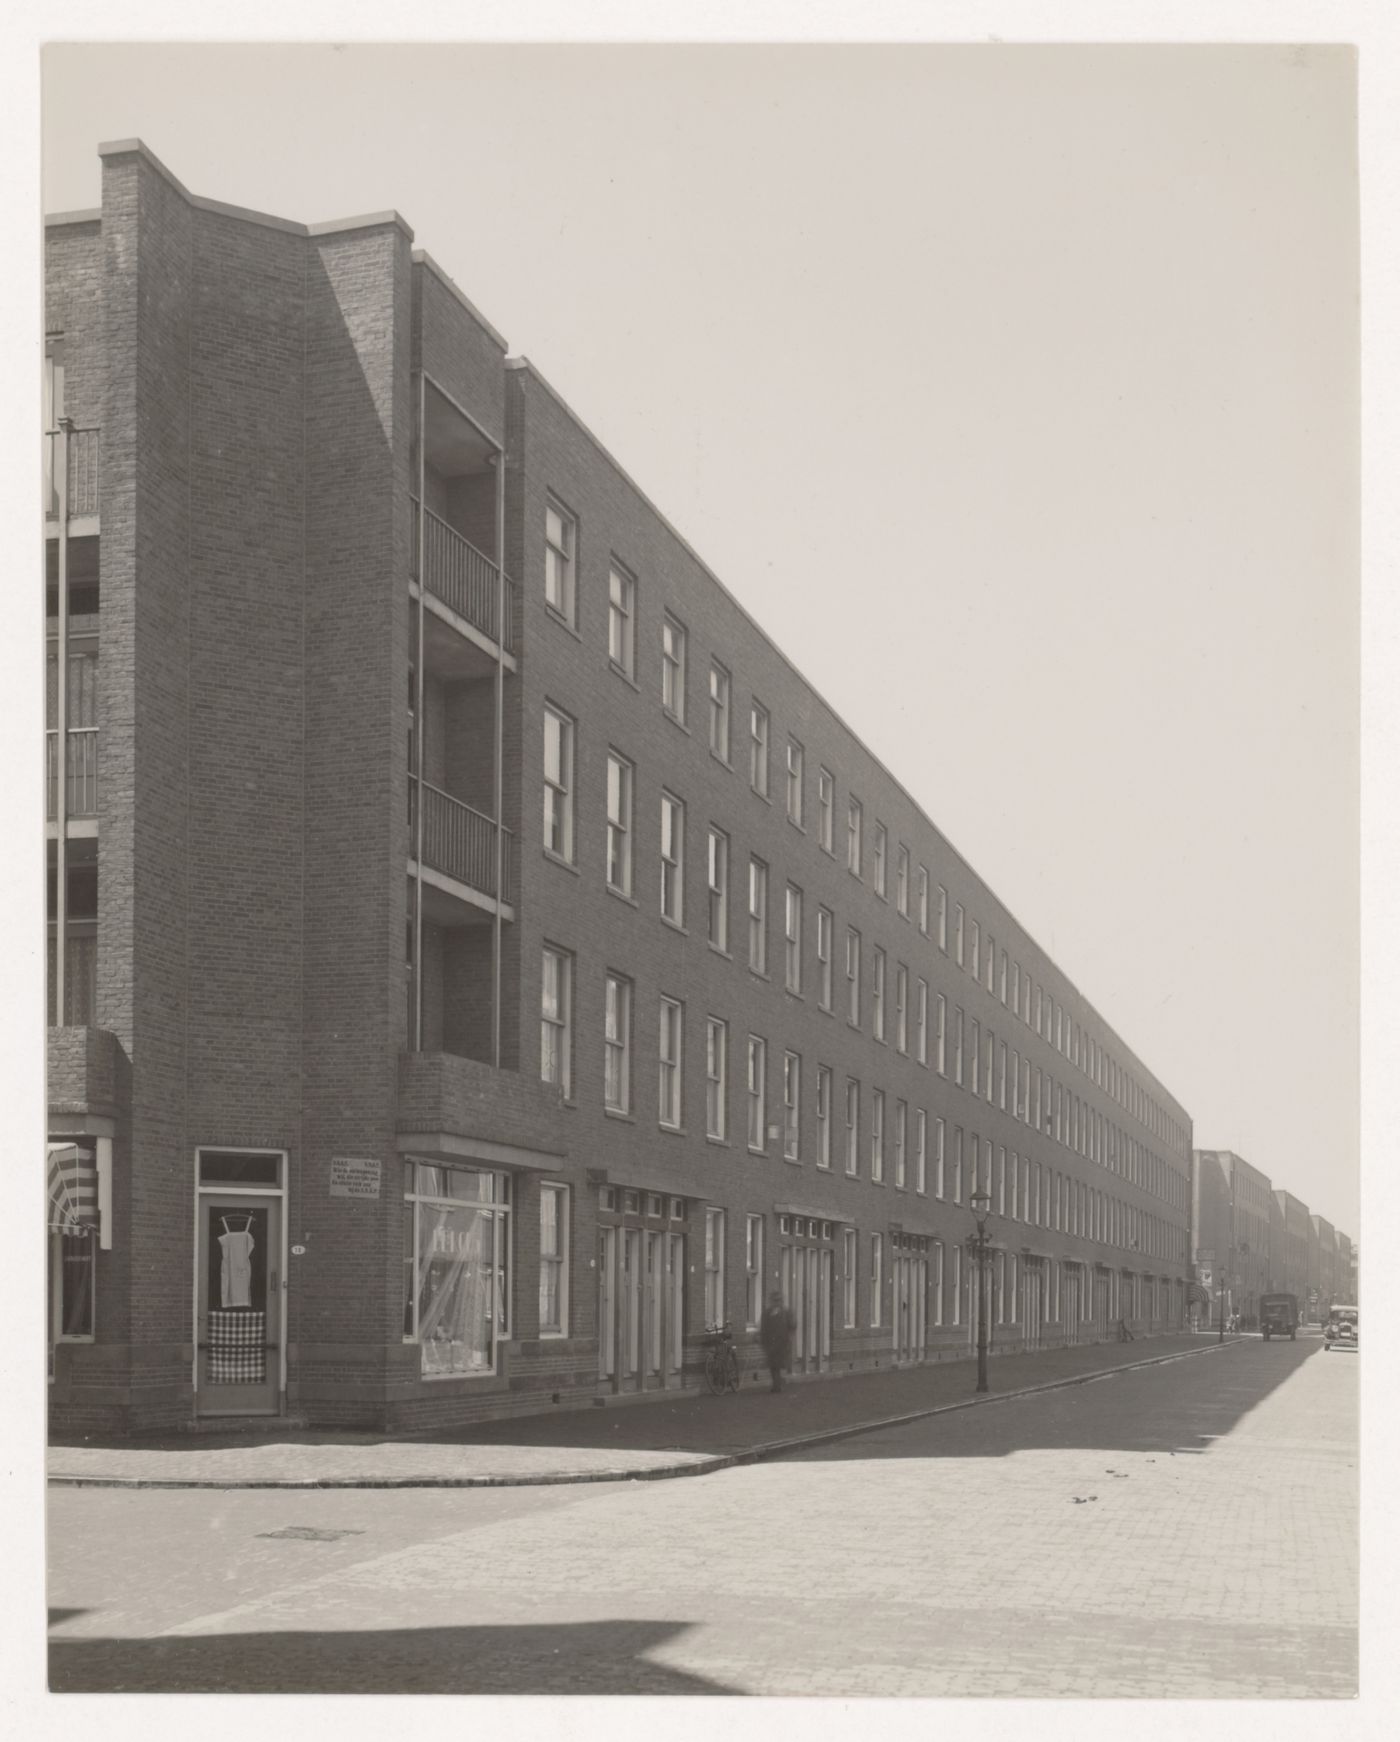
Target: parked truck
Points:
(1278, 1313)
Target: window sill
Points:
(617, 1113)
(795, 824)
(626, 676)
(563, 864)
(753, 1151)
(719, 950)
(672, 1130)
(759, 973)
(757, 794)
(556, 616)
(793, 1160)
(717, 1142)
(674, 925)
(622, 895)
(796, 992)
(723, 761)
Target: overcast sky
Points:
(1013, 390)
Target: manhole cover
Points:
(308, 1533)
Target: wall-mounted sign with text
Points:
(354, 1177)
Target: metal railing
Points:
(461, 841)
(456, 572)
(84, 471)
(82, 772)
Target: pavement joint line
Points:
(700, 1465)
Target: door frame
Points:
(279, 1192)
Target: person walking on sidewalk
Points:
(775, 1332)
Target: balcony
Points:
(81, 772)
(455, 572)
(84, 473)
(461, 842)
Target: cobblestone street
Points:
(1182, 1530)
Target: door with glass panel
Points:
(1031, 1304)
(239, 1304)
(607, 1303)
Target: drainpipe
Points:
(65, 427)
(419, 709)
(498, 768)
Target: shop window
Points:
(457, 1291)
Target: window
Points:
(935, 1273)
(974, 1049)
(717, 882)
(823, 1116)
(882, 847)
(957, 1285)
(1001, 982)
(848, 1267)
(560, 533)
(901, 1130)
(556, 1040)
(792, 1106)
(672, 859)
(957, 1164)
(976, 951)
(958, 935)
(824, 957)
(991, 954)
(622, 621)
(719, 712)
(877, 995)
(852, 1127)
(943, 919)
(853, 977)
(901, 1007)
(877, 1135)
(558, 784)
(826, 807)
(923, 899)
(921, 1022)
(1001, 1181)
(753, 1271)
(554, 1244)
(758, 1092)
(758, 749)
(619, 823)
(673, 668)
(758, 916)
(794, 782)
(877, 1280)
(617, 1044)
(456, 1267)
(669, 1082)
(958, 1045)
(792, 937)
(717, 1079)
(939, 1146)
(1001, 1075)
(714, 1267)
(921, 1151)
(853, 842)
(901, 882)
(941, 1036)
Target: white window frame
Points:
(560, 1260)
(714, 1267)
(621, 786)
(826, 926)
(796, 760)
(877, 1281)
(558, 821)
(877, 1136)
(674, 640)
(756, 1088)
(901, 881)
(921, 1152)
(852, 976)
(943, 919)
(901, 1142)
(792, 939)
(758, 915)
(848, 1279)
(824, 1080)
(792, 1106)
(941, 1035)
(753, 1271)
(877, 994)
(882, 853)
(622, 620)
(852, 1128)
(940, 1158)
(760, 733)
(921, 1022)
(855, 819)
(923, 899)
(717, 1079)
(556, 1018)
(721, 690)
(670, 1105)
(560, 562)
(672, 858)
(717, 887)
(617, 1043)
(901, 1008)
(826, 810)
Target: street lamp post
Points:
(981, 1204)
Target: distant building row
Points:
(1248, 1239)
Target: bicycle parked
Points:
(721, 1360)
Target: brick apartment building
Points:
(478, 960)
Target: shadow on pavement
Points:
(595, 1657)
(1176, 1410)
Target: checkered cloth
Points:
(237, 1351)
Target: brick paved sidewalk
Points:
(674, 1435)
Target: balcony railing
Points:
(461, 842)
(456, 572)
(84, 471)
(82, 772)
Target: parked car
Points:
(1341, 1330)
(1278, 1313)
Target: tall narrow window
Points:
(974, 1051)
(901, 1007)
(560, 530)
(717, 1079)
(792, 938)
(719, 711)
(758, 1092)
(824, 928)
(976, 952)
(901, 882)
(673, 652)
(753, 1271)
(1001, 981)
(920, 1151)
(758, 916)
(877, 1135)
(823, 1116)
(554, 1246)
(669, 1052)
(826, 807)
(941, 1036)
(940, 1134)
(958, 1046)
(717, 878)
(622, 621)
(558, 784)
(921, 1022)
(794, 782)
(848, 1277)
(877, 994)
(556, 1014)
(852, 1126)
(617, 1044)
(714, 1268)
(672, 858)
(991, 963)
(923, 899)
(943, 920)
(882, 850)
(792, 1105)
(619, 823)
(877, 1279)
(853, 837)
(901, 1138)
(758, 749)
(957, 1164)
(958, 935)
(853, 977)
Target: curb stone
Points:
(699, 1465)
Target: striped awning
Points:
(72, 1189)
(1198, 1295)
